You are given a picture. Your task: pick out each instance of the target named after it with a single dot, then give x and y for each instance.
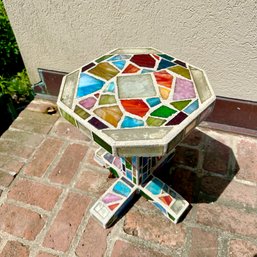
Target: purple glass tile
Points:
(97, 123)
(109, 198)
(184, 89)
(88, 66)
(108, 157)
(177, 119)
(88, 103)
(180, 63)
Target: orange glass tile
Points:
(113, 206)
(166, 199)
(164, 92)
(135, 106)
(111, 114)
(163, 78)
(131, 69)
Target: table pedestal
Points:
(135, 176)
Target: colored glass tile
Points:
(181, 71)
(88, 66)
(110, 87)
(110, 198)
(119, 64)
(143, 60)
(192, 107)
(129, 174)
(155, 186)
(146, 196)
(96, 95)
(117, 162)
(110, 114)
(166, 199)
(107, 99)
(102, 58)
(121, 189)
(155, 122)
(146, 71)
(127, 182)
(181, 104)
(81, 113)
(153, 101)
(156, 204)
(163, 112)
(131, 69)
(167, 57)
(69, 88)
(88, 103)
(129, 122)
(163, 78)
(101, 210)
(102, 143)
(128, 165)
(164, 92)
(104, 70)
(180, 63)
(135, 86)
(201, 84)
(109, 157)
(88, 84)
(184, 89)
(177, 119)
(177, 206)
(156, 57)
(97, 123)
(135, 106)
(135, 51)
(163, 64)
(114, 172)
(119, 57)
(68, 117)
(113, 206)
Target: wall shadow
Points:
(201, 168)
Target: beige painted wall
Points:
(218, 36)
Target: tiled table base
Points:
(135, 176)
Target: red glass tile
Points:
(135, 106)
(131, 69)
(156, 56)
(143, 60)
(163, 78)
(113, 206)
(166, 199)
(177, 119)
(96, 95)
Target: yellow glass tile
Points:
(110, 114)
(104, 70)
(164, 92)
(181, 71)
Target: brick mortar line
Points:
(187, 242)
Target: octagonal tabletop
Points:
(136, 102)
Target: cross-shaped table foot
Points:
(135, 177)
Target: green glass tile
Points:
(107, 99)
(163, 112)
(104, 70)
(171, 217)
(155, 122)
(181, 104)
(147, 197)
(128, 165)
(114, 172)
(102, 143)
(81, 113)
(181, 71)
(69, 118)
(134, 180)
(102, 58)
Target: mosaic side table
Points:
(137, 104)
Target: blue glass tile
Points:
(119, 57)
(119, 64)
(156, 204)
(153, 101)
(129, 174)
(167, 57)
(88, 85)
(121, 189)
(134, 161)
(155, 186)
(165, 64)
(192, 107)
(129, 122)
(110, 88)
(146, 71)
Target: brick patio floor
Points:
(49, 180)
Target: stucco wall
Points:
(218, 36)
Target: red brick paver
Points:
(49, 182)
